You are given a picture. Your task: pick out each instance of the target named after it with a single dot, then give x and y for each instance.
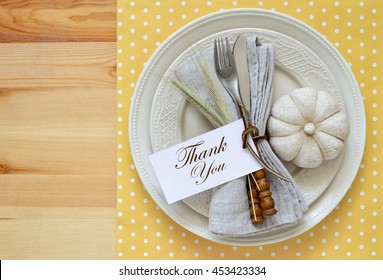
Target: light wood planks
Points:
(55, 20)
(57, 150)
(56, 233)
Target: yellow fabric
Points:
(354, 230)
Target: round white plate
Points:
(174, 120)
(175, 45)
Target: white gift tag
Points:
(203, 162)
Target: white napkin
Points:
(229, 209)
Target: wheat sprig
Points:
(200, 104)
(223, 109)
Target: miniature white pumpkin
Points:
(307, 127)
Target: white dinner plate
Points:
(305, 58)
(174, 120)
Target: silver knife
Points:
(240, 56)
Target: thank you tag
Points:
(203, 162)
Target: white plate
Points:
(174, 120)
(175, 45)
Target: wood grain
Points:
(57, 150)
(56, 233)
(57, 21)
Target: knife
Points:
(240, 56)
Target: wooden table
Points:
(57, 129)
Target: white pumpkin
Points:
(307, 127)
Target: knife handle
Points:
(267, 202)
(254, 201)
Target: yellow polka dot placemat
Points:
(353, 230)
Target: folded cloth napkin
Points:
(229, 209)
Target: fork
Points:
(227, 74)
